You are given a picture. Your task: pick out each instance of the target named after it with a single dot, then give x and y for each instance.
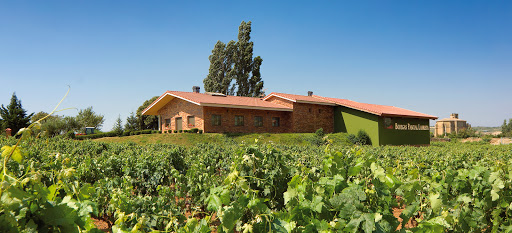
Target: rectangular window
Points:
(191, 121)
(167, 123)
(239, 120)
(275, 121)
(258, 121)
(216, 120)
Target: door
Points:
(178, 123)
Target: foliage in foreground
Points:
(262, 187)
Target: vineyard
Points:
(58, 184)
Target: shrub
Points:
(200, 131)
(127, 133)
(70, 134)
(169, 131)
(194, 130)
(175, 131)
(146, 131)
(320, 132)
(181, 131)
(363, 138)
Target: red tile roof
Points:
(299, 98)
(380, 110)
(204, 99)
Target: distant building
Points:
(450, 125)
(288, 113)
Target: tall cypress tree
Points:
(234, 62)
(14, 116)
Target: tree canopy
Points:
(144, 121)
(131, 122)
(232, 67)
(88, 118)
(13, 116)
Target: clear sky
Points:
(435, 57)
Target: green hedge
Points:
(116, 134)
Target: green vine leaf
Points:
(16, 154)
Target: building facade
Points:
(288, 113)
(450, 125)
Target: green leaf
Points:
(53, 191)
(317, 204)
(435, 201)
(378, 172)
(464, 198)
(214, 202)
(16, 153)
(494, 195)
(369, 222)
(289, 194)
(230, 217)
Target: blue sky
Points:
(435, 57)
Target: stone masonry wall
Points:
(181, 108)
(228, 120)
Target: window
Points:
(191, 121)
(216, 120)
(239, 120)
(258, 121)
(167, 123)
(275, 121)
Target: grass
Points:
(189, 139)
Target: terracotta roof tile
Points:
(204, 99)
(381, 110)
(298, 98)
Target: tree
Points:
(72, 124)
(234, 61)
(221, 72)
(145, 121)
(38, 116)
(118, 126)
(131, 122)
(88, 118)
(248, 77)
(14, 116)
(506, 129)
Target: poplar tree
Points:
(13, 116)
(221, 72)
(232, 68)
(248, 77)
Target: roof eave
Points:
(155, 111)
(409, 116)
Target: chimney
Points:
(454, 116)
(195, 89)
(310, 93)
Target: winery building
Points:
(288, 113)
